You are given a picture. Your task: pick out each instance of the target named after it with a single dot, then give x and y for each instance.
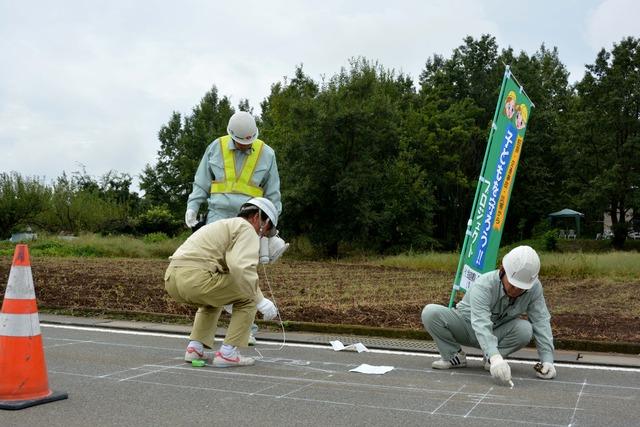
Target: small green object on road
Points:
(198, 363)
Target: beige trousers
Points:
(209, 292)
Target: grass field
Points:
(591, 295)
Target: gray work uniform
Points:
(487, 318)
(227, 205)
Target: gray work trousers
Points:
(450, 330)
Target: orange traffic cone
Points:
(23, 371)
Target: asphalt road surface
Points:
(138, 378)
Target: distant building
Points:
(23, 237)
(629, 219)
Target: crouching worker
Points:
(217, 265)
(489, 318)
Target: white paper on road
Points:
(338, 346)
(371, 369)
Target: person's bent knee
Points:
(207, 309)
(524, 331)
(171, 287)
(244, 304)
(431, 313)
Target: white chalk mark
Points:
(575, 409)
(478, 402)
(135, 369)
(47, 347)
(525, 405)
(299, 345)
(294, 391)
(146, 373)
(258, 392)
(448, 399)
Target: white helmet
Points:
(266, 206)
(242, 128)
(522, 266)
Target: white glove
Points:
(500, 368)
(228, 308)
(545, 370)
(190, 218)
(267, 308)
(277, 247)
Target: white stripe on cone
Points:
(20, 285)
(19, 325)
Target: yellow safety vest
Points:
(241, 184)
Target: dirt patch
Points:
(327, 292)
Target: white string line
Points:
(417, 411)
(303, 345)
(264, 389)
(554, 382)
(524, 405)
(46, 347)
(609, 396)
(116, 344)
(261, 392)
(392, 388)
(448, 398)
(282, 363)
(312, 382)
(145, 373)
(273, 297)
(573, 417)
(430, 372)
(478, 402)
(295, 390)
(510, 420)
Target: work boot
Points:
(192, 354)
(235, 360)
(459, 360)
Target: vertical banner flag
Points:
(489, 211)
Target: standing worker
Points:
(233, 169)
(217, 265)
(489, 318)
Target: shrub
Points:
(155, 237)
(158, 219)
(550, 239)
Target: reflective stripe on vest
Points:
(242, 184)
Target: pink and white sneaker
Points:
(236, 360)
(192, 354)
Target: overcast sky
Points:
(89, 83)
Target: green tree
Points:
(78, 204)
(182, 143)
(347, 177)
(458, 98)
(539, 188)
(21, 199)
(604, 155)
(458, 101)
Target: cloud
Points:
(612, 20)
(92, 82)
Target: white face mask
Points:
(271, 248)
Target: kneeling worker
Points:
(217, 265)
(488, 317)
